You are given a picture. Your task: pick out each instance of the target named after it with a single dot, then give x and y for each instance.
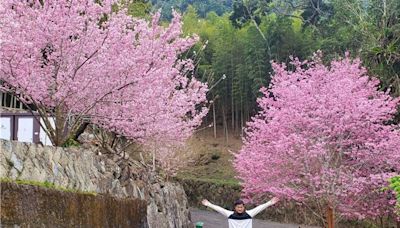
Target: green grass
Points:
(230, 182)
(46, 184)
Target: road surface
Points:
(214, 220)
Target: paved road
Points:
(215, 220)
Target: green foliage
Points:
(139, 8)
(395, 185)
(135, 8)
(311, 12)
(370, 29)
(263, 31)
(203, 7)
(244, 11)
(244, 54)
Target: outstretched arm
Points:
(253, 212)
(218, 209)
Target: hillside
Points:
(212, 157)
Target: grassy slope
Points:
(212, 157)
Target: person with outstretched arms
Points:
(240, 217)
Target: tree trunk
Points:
(62, 131)
(241, 117)
(60, 119)
(237, 119)
(232, 115)
(330, 217)
(214, 120)
(225, 124)
(247, 112)
(232, 68)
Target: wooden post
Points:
(330, 218)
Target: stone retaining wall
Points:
(86, 169)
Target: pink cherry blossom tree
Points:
(323, 137)
(81, 62)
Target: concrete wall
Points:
(32, 206)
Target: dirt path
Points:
(215, 220)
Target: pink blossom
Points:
(80, 60)
(323, 135)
